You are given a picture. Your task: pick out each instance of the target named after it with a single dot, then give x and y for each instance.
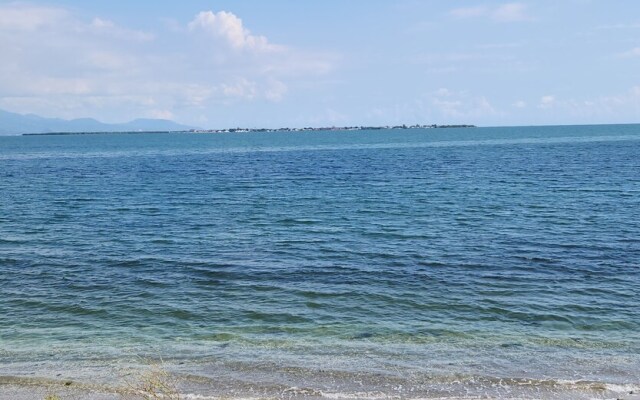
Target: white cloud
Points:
(24, 17)
(508, 12)
(228, 27)
(547, 101)
(114, 72)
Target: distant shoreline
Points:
(97, 133)
(246, 130)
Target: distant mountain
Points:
(15, 124)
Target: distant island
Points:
(245, 130)
(31, 124)
(332, 128)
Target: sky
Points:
(222, 64)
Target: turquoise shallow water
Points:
(412, 263)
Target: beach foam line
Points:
(622, 388)
(458, 388)
(358, 395)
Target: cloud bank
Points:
(57, 63)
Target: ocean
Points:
(422, 263)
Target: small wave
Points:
(13, 240)
(357, 395)
(298, 221)
(622, 388)
(192, 396)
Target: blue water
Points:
(412, 263)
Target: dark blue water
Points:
(412, 263)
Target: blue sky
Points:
(218, 64)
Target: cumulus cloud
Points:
(508, 12)
(228, 27)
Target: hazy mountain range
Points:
(15, 124)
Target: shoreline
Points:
(178, 384)
(260, 130)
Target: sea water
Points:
(421, 263)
